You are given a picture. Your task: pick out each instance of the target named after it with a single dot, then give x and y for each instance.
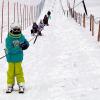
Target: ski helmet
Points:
(15, 28)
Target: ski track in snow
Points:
(63, 64)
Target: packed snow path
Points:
(62, 65)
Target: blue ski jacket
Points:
(14, 52)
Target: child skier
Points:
(49, 15)
(15, 44)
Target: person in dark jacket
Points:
(34, 28)
(45, 20)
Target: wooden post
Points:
(90, 22)
(36, 12)
(99, 32)
(23, 17)
(31, 8)
(84, 20)
(73, 9)
(71, 12)
(40, 9)
(8, 16)
(14, 11)
(79, 18)
(76, 16)
(92, 25)
(67, 13)
(17, 12)
(2, 19)
(69, 7)
(32, 13)
(27, 15)
(21, 14)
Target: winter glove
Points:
(24, 45)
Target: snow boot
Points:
(9, 89)
(21, 88)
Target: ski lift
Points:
(84, 5)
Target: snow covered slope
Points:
(62, 65)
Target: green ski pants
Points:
(15, 70)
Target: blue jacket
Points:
(14, 53)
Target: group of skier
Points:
(36, 29)
(15, 44)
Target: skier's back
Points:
(45, 20)
(34, 28)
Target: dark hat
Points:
(49, 12)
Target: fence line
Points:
(23, 14)
(82, 18)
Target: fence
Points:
(85, 21)
(17, 12)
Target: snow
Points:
(63, 64)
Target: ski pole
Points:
(35, 38)
(30, 39)
(2, 57)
